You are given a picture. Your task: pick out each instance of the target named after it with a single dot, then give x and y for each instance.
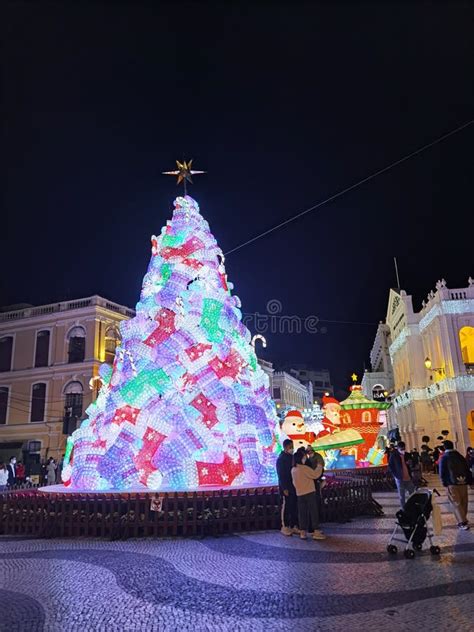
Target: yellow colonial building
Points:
(49, 357)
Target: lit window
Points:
(112, 340)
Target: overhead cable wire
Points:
(351, 187)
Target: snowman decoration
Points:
(294, 428)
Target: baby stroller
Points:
(413, 521)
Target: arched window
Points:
(76, 345)
(346, 419)
(6, 348)
(112, 340)
(42, 348)
(38, 402)
(74, 393)
(366, 417)
(466, 341)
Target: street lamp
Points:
(428, 365)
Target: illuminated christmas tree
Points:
(185, 403)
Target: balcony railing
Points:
(92, 301)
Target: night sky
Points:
(283, 105)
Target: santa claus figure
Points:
(294, 428)
(332, 413)
(335, 437)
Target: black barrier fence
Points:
(379, 478)
(121, 516)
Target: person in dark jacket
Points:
(289, 501)
(12, 471)
(313, 460)
(456, 476)
(398, 465)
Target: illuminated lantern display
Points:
(362, 415)
(337, 440)
(294, 428)
(185, 404)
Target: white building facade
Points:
(378, 384)
(319, 378)
(432, 354)
(289, 391)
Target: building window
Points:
(76, 345)
(38, 402)
(42, 348)
(366, 417)
(3, 404)
(74, 396)
(6, 348)
(112, 340)
(277, 392)
(466, 341)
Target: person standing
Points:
(51, 471)
(303, 480)
(12, 471)
(3, 477)
(415, 467)
(20, 473)
(289, 510)
(398, 466)
(470, 459)
(456, 476)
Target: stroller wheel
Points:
(409, 554)
(418, 547)
(435, 550)
(392, 549)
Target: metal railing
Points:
(30, 312)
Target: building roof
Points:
(357, 400)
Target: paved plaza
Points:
(256, 581)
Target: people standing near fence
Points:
(303, 480)
(289, 507)
(51, 471)
(20, 473)
(399, 467)
(3, 477)
(11, 468)
(456, 475)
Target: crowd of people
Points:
(456, 473)
(301, 479)
(14, 474)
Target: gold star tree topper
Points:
(354, 377)
(184, 172)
